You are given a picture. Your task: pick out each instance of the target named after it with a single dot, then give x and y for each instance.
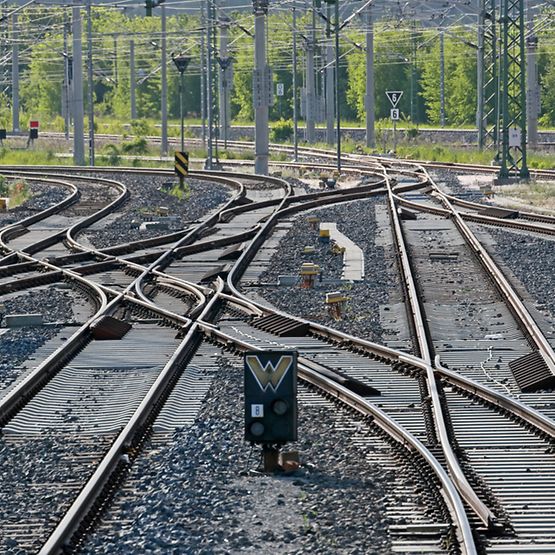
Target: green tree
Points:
(391, 72)
(460, 80)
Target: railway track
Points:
(184, 291)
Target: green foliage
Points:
(111, 153)
(4, 187)
(282, 131)
(16, 191)
(397, 59)
(141, 127)
(19, 192)
(460, 80)
(137, 146)
(181, 193)
(392, 57)
(548, 94)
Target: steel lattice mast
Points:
(488, 76)
(512, 151)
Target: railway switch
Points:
(270, 397)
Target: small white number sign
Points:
(280, 89)
(514, 136)
(257, 411)
(394, 114)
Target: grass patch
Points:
(17, 192)
(29, 158)
(539, 194)
(465, 155)
(179, 192)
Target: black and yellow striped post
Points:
(181, 165)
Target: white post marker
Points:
(394, 113)
(280, 89)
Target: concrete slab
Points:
(353, 257)
(22, 320)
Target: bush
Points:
(57, 124)
(282, 131)
(4, 187)
(136, 146)
(140, 127)
(111, 153)
(412, 133)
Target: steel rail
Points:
(478, 218)
(56, 237)
(517, 306)
(125, 441)
(484, 513)
(111, 461)
(68, 201)
(545, 218)
(416, 314)
(105, 291)
(364, 158)
(460, 480)
(25, 389)
(387, 424)
(191, 288)
(166, 258)
(526, 413)
(530, 416)
(216, 295)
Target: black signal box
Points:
(3, 134)
(33, 133)
(270, 397)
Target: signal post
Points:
(270, 402)
(181, 166)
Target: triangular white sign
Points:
(394, 97)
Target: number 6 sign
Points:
(394, 97)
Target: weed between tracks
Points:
(17, 191)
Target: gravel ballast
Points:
(361, 317)
(200, 493)
(43, 196)
(532, 259)
(148, 194)
(18, 344)
(33, 474)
